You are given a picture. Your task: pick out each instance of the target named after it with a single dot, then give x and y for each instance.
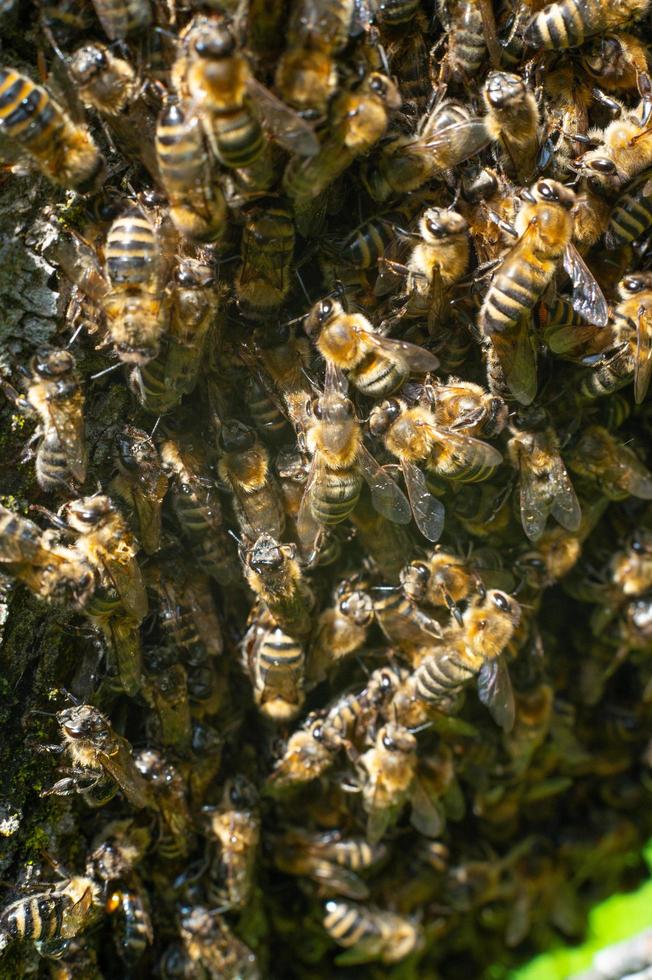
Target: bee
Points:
(186, 613)
(465, 23)
(350, 717)
(567, 24)
(615, 468)
(413, 437)
(54, 394)
(359, 119)
(135, 274)
(330, 859)
(544, 485)
(275, 663)
(136, 932)
(374, 364)
(463, 405)
(245, 469)
(234, 826)
(264, 409)
(340, 461)
(341, 629)
(62, 150)
(98, 755)
(387, 772)
(473, 649)
(141, 483)
(306, 74)
(167, 787)
(367, 243)
(212, 948)
(165, 688)
(194, 317)
(275, 575)
(61, 913)
(403, 622)
(216, 78)
(624, 152)
(369, 934)
(197, 204)
(533, 717)
(441, 579)
(310, 752)
(631, 569)
(631, 215)
(122, 17)
(264, 277)
(618, 62)
(544, 226)
(109, 547)
(557, 552)
(198, 511)
(632, 319)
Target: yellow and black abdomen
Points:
(334, 495)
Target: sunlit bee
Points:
(467, 45)
(63, 912)
(122, 17)
(619, 62)
(341, 629)
(544, 226)
(387, 772)
(234, 825)
(333, 861)
(544, 485)
(404, 623)
(441, 579)
(62, 150)
(613, 466)
(197, 205)
(367, 243)
(286, 358)
(136, 932)
(340, 462)
(106, 83)
(632, 319)
(368, 934)
(310, 752)
(211, 947)
(631, 569)
(567, 24)
(275, 663)
(631, 215)
(245, 469)
(375, 365)
(624, 151)
(263, 279)
(141, 483)
(467, 407)
(565, 333)
(273, 572)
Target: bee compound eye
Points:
(502, 602)
(603, 166)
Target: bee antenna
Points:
(156, 424)
(70, 697)
(420, 728)
(108, 370)
(54, 519)
(74, 336)
(303, 286)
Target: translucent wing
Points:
(456, 143)
(339, 881)
(516, 354)
(643, 363)
(426, 816)
(495, 691)
(427, 509)
(364, 951)
(388, 499)
(127, 581)
(69, 425)
(292, 132)
(535, 499)
(417, 359)
(632, 475)
(587, 299)
(483, 453)
(307, 527)
(565, 505)
(379, 820)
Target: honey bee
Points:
(631, 569)
(263, 279)
(275, 663)
(197, 508)
(340, 461)
(352, 715)
(306, 75)
(62, 912)
(310, 752)
(624, 151)
(631, 215)
(54, 394)
(122, 17)
(544, 226)
(285, 357)
(465, 22)
(441, 579)
(167, 787)
(369, 934)
(388, 773)
(404, 623)
(62, 150)
(141, 483)
(567, 24)
(136, 932)
(98, 755)
(212, 948)
(544, 485)
(245, 469)
(341, 629)
(234, 825)
(618, 62)
(632, 319)
(330, 859)
(165, 688)
(374, 364)
(467, 406)
(615, 468)
(194, 315)
(108, 546)
(197, 205)
(275, 575)
(359, 119)
(475, 651)
(217, 80)
(413, 437)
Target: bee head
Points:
(501, 89)
(265, 555)
(237, 437)
(52, 363)
(88, 62)
(383, 416)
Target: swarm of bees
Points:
(356, 305)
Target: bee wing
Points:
(339, 881)
(69, 425)
(516, 353)
(495, 691)
(292, 132)
(587, 299)
(417, 359)
(307, 527)
(643, 362)
(535, 500)
(364, 951)
(127, 581)
(636, 477)
(455, 143)
(378, 822)
(482, 452)
(426, 815)
(388, 499)
(427, 509)
(565, 506)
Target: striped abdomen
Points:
(378, 376)
(152, 386)
(264, 411)
(52, 468)
(610, 375)
(180, 150)
(132, 252)
(513, 293)
(367, 243)
(239, 137)
(395, 13)
(467, 48)
(28, 114)
(136, 931)
(122, 17)
(334, 495)
(631, 216)
(279, 658)
(37, 918)
(349, 925)
(354, 854)
(566, 24)
(439, 677)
